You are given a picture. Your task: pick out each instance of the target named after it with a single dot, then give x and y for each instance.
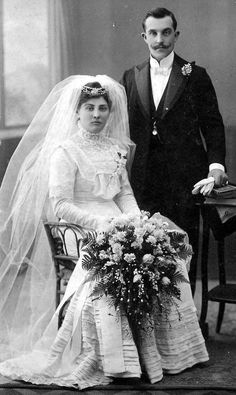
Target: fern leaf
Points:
(99, 290)
(179, 277)
(88, 262)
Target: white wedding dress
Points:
(95, 342)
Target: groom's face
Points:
(160, 36)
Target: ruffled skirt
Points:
(95, 342)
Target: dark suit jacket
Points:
(188, 111)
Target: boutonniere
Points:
(186, 69)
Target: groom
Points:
(172, 108)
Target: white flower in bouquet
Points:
(157, 250)
(139, 231)
(117, 248)
(138, 238)
(149, 227)
(145, 217)
(138, 243)
(148, 258)
(120, 221)
(109, 263)
(129, 257)
(116, 257)
(165, 280)
(133, 218)
(103, 254)
(119, 236)
(152, 240)
(100, 238)
(160, 234)
(121, 278)
(137, 277)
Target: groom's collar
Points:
(180, 61)
(166, 62)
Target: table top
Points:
(220, 202)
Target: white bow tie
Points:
(161, 71)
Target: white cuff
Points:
(218, 166)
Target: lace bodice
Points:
(88, 173)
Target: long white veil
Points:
(27, 277)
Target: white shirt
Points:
(159, 82)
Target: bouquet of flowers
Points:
(136, 262)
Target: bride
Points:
(73, 164)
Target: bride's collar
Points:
(89, 136)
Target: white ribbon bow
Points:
(161, 71)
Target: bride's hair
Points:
(93, 90)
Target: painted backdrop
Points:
(103, 36)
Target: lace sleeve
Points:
(63, 172)
(125, 200)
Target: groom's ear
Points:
(144, 36)
(176, 35)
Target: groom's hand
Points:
(204, 186)
(220, 177)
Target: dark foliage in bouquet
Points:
(136, 262)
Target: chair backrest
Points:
(57, 233)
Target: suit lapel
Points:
(176, 85)
(142, 78)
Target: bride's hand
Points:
(102, 223)
(171, 224)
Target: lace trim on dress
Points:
(97, 143)
(91, 136)
(18, 373)
(96, 140)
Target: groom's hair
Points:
(159, 13)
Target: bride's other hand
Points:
(171, 225)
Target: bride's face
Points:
(94, 114)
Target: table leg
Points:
(222, 281)
(204, 275)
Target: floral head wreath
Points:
(90, 91)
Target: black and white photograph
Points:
(117, 197)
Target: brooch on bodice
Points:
(121, 160)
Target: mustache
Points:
(160, 46)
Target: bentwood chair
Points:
(64, 263)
